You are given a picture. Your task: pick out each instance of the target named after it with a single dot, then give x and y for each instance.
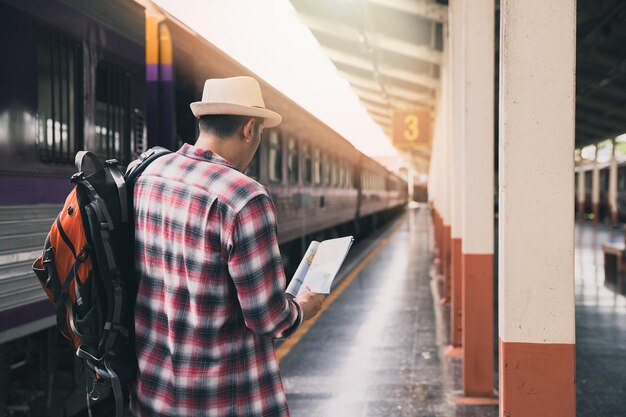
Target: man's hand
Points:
(310, 302)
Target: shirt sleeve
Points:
(256, 268)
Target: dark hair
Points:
(225, 125)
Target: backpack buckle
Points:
(111, 162)
(78, 176)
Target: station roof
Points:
(390, 52)
(600, 70)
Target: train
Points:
(116, 77)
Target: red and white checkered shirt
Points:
(212, 291)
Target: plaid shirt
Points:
(212, 292)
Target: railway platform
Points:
(377, 348)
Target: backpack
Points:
(87, 270)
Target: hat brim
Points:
(200, 108)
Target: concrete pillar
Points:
(478, 201)
(613, 187)
(536, 221)
(435, 184)
(581, 191)
(446, 163)
(595, 189)
(457, 70)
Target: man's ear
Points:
(248, 130)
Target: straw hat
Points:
(239, 96)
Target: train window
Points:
(186, 130)
(60, 119)
(112, 111)
(340, 170)
(292, 160)
(334, 172)
(307, 164)
(325, 169)
(274, 157)
(317, 166)
(349, 178)
(253, 169)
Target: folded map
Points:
(320, 265)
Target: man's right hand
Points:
(310, 302)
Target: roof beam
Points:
(423, 8)
(381, 120)
(394, 102)
(599, 105)
(375, 108)
(601, 121)
(377, 40)
(364, 83)
(590, 132)
(364, 64)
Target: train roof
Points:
(296, 118)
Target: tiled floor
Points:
(600, 329)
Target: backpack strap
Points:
(136, 167)
(118, 177)
(81, 159)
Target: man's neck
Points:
(225, 147)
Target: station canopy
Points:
(600, 70)
(390, 52)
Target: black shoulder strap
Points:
(81, 162)
(136, 167)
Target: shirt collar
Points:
(203, 155)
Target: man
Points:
(212, 286)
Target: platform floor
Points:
(375, 350)
(600, 328)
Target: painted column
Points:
(595, 189)
(159, 82)
(457, 69)
(581, 190)
(434, 183)
(167, 105)
(447, 163)
(153, 20)
(439, 154)
(613, 187)
(478, 198)
(536, 222)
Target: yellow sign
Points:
(411, 129)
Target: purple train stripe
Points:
(25, 314)
(33, 190)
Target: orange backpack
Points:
(87, 270)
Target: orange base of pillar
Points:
(493, 400)
(537, 379)
(456, 313)
(478, 326)
(453, 351)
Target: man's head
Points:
(233, 108)
(233, 135)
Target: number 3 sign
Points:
(411, 128)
